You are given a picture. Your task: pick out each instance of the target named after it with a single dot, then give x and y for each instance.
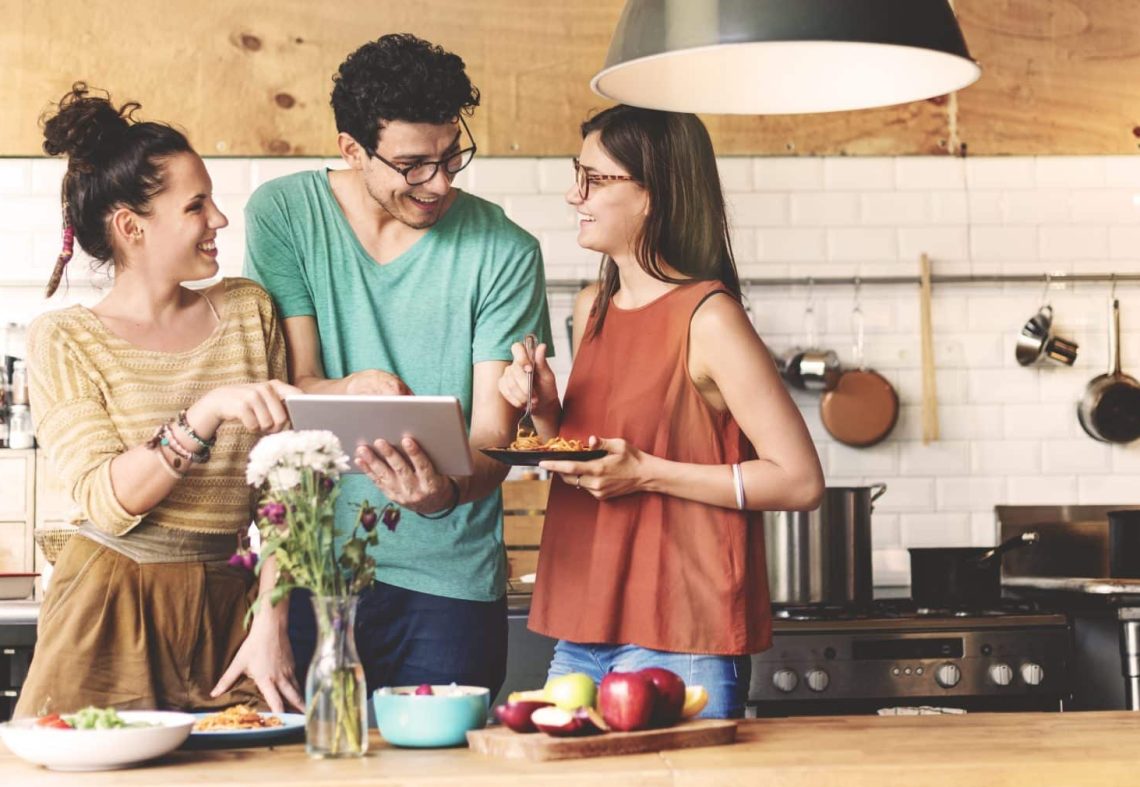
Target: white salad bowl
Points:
(98, 750)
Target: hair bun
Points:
(86, 128)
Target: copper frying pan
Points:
(863, 407)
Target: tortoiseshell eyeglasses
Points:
(585, 177)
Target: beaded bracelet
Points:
(447, 511)
(203, 444)
(165, 466)
(201, 456)
(171, 442)
(164, 436)
(155, 443)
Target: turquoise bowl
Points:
(430, 721)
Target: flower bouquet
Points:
(298, 474)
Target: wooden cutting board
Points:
(502, 742)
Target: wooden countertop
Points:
(992, 749)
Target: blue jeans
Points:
(406, 638)
(725, 678)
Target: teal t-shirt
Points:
(466, 290)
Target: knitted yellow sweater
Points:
(95, 395)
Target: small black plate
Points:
(532, 458)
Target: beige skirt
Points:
(116, 633)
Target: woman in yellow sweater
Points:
(147, 405)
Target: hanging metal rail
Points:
(573, 285)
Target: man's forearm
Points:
(488, 474)
(487, 477)
(321, 385)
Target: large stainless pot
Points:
(823, 556)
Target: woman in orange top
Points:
(653, 555)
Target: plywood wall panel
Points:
(253, 77)
(1059, 76)
(920, 127)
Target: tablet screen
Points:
(435, 422)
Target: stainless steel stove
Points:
(844, 660)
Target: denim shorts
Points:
(405, 638)
(725, 678)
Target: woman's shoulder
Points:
(72, 332)
(243, 294)
(240, 287)
(586, 296)
(717, 313)
(58, 323)
(722, 338)
(584, 303)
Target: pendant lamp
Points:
(773, 57)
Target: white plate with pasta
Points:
(242, 726)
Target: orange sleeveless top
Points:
(649, 569)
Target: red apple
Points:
(670, 695)
(424, 690)
(565, 724)
(516, 715)
(626, 700)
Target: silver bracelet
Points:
(738, 485)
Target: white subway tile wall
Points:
(1008, 434)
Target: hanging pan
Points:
(863, 407)
(810, 368)
(1110, 409)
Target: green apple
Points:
(572, 691)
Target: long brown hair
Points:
(671, 156)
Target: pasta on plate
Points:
(533, 443)
(239, 717)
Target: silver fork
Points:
(525, 427)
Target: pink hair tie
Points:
(68, 242)
(64, 255)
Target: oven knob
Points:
(947, 676)
(1001, 674)
(817, 679)
(1032, 673)
(785, 680)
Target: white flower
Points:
(282, 478)
(280, 458)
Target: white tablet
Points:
(435, 422)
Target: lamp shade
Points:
(783, 56)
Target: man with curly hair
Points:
(391, 281)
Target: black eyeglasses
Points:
(423, 171)
(584, 178)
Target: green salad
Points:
(93, 718)
(90, 718)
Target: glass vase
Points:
(336, 698)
